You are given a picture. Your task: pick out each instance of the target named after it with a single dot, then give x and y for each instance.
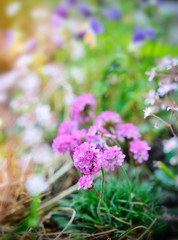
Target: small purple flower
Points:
(83, 108)
(81, 34)
(71, 2)
(129, 131)
(108, 122)
(65, 144)
(68, 127)
(84, 10)
(62, 10)
(96, 26)
(150, 33)
(85, 182)
(55, 20)
(159, 2)
(138, 36)
(113, 14)
(112, 157)
(80, 135)
(140, 150)
(87, 158)
(9, 37)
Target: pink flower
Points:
(83, 108)
(85, 182)
(140, 150)
(108, 122)
(129, 131)
(94, 136)
(113, 157)
(67, 127)
(87, 158)
(80, 134)
(65, 143)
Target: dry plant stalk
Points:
(12, 194)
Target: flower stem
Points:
(101, 200)
(101, 196)
(167, 124)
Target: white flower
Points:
(30, 84)
(174, 161)
(151, 97)
(169, 145)
(167, 87)
(36, 184)
(77, 51)
(41, 154)
(148, 111)
(31, 136)
(151, 74)
(43, 115)
(24, 61)
(13, 8)
(174, 107)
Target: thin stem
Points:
(102, 200)
(101, 196)
(167, 124)
(126, 177)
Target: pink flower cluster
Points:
(108, 122)
(83, 109)
(112, 157)
(129, 131)
(94, 136)
(140, 150)
(65, 143)
(68, 127)
(93, 149)
(85, 182)
(87, 158)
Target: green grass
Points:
(134, 206)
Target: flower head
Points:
(85, 182)
(84, 9)
(108, 122)
(80, 134)
(94, 136)
(148, 111)
(65, 143)
(170, 144)
(129, 131)
(87, 158)
(83, 108)
(151, 97)
(62, 10)
(96, 26)
(113, 14)
(67, 127)
(140, 35)
(140, 150)
(112, 157)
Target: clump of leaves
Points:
(133, 209)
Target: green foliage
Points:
(134, 205)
